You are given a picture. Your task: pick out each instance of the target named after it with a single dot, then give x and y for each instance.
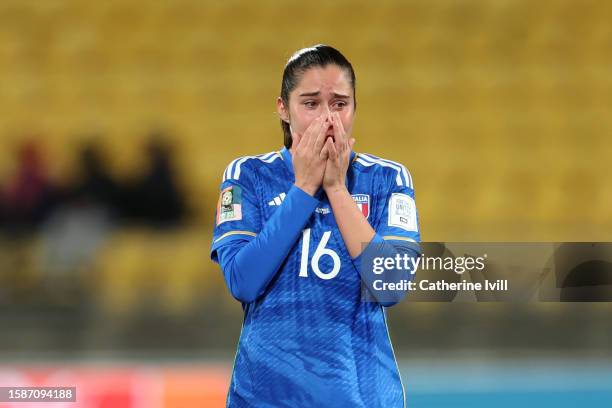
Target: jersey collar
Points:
(286, 155)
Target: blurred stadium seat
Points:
(509, 94)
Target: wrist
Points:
(334, 189)
(307, 188)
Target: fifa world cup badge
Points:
(229, 207)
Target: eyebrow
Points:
(317, 93)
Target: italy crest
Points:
(363, 203)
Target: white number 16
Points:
(319, 252)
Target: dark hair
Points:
(319, 55)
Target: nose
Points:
(327, 112)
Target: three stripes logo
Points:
(278, 199)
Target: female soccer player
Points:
(291, 229)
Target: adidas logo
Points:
(278, 199)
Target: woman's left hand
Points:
(339, 154)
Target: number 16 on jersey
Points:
(316, 257)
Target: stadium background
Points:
(500, 109)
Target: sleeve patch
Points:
(402, 212)
(229, 207)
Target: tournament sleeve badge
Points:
(402, 212)
(229, 207)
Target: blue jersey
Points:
(309, 340)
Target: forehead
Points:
(330, 78)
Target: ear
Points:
(282, 110)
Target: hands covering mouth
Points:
(321, 154)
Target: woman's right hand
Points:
(309, 157)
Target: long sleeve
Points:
(249, 263)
